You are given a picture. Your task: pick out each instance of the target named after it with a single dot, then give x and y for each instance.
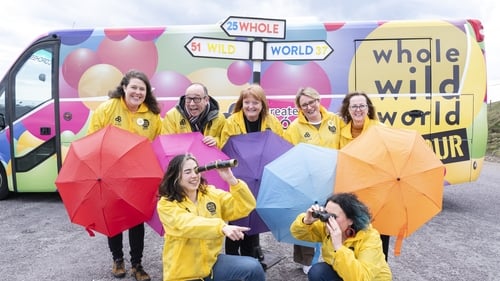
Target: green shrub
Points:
(493, 147)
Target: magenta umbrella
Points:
(253, 151)
(167, 147)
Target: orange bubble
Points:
(96, 82)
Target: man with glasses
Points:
(196, 111)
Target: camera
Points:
(323, 215)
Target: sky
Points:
(24, 20)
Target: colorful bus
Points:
(429, 76)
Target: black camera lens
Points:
(323, 215)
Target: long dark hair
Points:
(150, 99)
(169, 186)
(344, 109)
(353, 209)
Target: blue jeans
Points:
(237, 268)
(322, 271)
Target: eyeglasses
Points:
(195, 99)
(309, 103)
(358, 106)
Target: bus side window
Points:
(33, 82)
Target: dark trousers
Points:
(385, 244)
(249, 246)
(136, 242)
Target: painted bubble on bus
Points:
(129, 53)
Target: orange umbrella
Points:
(397, 175)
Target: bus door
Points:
(31, 116)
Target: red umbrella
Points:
(109, 181)
(167, 147)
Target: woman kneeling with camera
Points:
(351, 247)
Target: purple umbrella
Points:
(253, 151)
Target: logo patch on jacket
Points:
(182, 124)
(331, 126)
(144, 123)
(212, 208)
(118, 120)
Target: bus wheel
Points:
(4, 189)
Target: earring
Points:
(350, 232)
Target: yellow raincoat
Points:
(328, 134)
(193, 232)
(175, 120)
(345, 132)
(360, 258)
(115, 112)
(235, 125)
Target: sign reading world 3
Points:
(257, 50)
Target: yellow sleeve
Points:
(97, 121)
(226, 132)
(239, 202)
(291, 133)
(275, 125)
(179, 222)
(306, 232)
(215, 128)
(169, 124)
(367, 264)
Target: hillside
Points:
(494, 129)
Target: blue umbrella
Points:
(253, 151)
(291, 184)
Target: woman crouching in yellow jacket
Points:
(194, 217)
(351, 247)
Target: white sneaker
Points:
(306, 268)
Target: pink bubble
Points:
(334, 26)
(146, 34)
(116, 34)
(44, 115)
(65, 90)
(76, 63)
(285, 79)
(129, 53)
(239, 72)
(139, 33)
(74, 115)
(169, 84)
